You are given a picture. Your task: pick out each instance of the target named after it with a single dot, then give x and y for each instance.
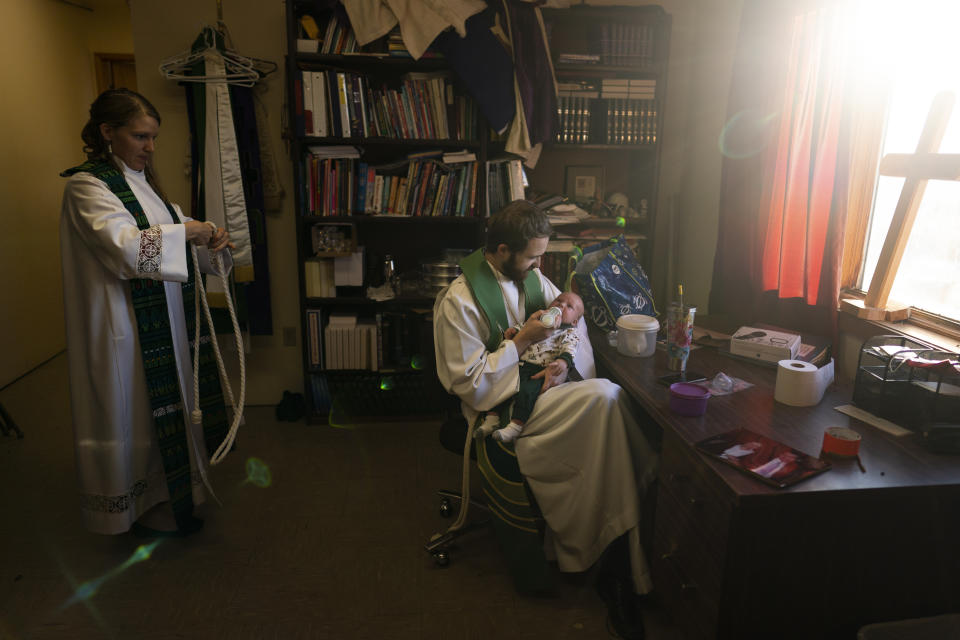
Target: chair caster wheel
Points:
(441, 558)
(446, 509)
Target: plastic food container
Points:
(687, 399)
(637, 335)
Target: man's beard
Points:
(512, 270)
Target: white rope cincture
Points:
(200, 299)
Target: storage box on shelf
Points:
(393, 150)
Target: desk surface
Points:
(735, 558)
(891, 462)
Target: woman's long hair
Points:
(116, 108)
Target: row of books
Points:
(389, 341)
(607, 121)
(505, 183)
(445, 185)
(335, 37)
(631, 88)
(627, 45)
(397, 49)
(346, 105)
(621, 45)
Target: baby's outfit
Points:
(563, 344)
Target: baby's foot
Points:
(509, 433)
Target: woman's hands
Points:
(219, 241)
(203, 234)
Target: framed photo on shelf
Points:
(583, 182)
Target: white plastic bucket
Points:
(637, 335)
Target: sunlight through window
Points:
(920, 51)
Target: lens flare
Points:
(386, 383)
(416, 363)
(621, 221)
(89, 588)
(337, 417)
(746, 134)
(258, 473)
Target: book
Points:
(762, 458)
(308, 107)
(318, 80)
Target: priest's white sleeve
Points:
(104, 225)
(482, 379)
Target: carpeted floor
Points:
(333, 548)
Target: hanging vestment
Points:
(485, 67)
(218, 180)
(537, 86)
(227, 187)
(420, 20)
(581, 452)
(129, 311)
(258, 312)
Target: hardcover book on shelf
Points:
(762, 458)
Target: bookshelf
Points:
(610, 64)
(389, 158)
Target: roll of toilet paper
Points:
(801, 384)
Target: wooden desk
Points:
(735, 558)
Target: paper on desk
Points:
(869, 418)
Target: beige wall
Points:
(164, 29)
(48, 82)
(702, 45)
(701, 59)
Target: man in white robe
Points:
(118, 460)
(581, 452)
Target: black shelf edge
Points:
(345, 301)
(607, 69)
(370, 60)
(603, 147)
(397, 219)
(441, 143)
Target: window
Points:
(915, 47)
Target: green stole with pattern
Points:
(159, 361)
(516, 520)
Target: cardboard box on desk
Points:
(764, 344)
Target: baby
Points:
(561, 344)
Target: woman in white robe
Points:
(121, 472)
(581, 452)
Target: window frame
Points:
(866, 166)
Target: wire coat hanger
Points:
(237, 69)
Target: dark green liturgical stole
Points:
(516, 521)
(159, 360)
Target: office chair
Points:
(456, 437)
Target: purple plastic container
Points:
(688, 399)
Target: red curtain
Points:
(784, 177)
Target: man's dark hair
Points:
(516, 225)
